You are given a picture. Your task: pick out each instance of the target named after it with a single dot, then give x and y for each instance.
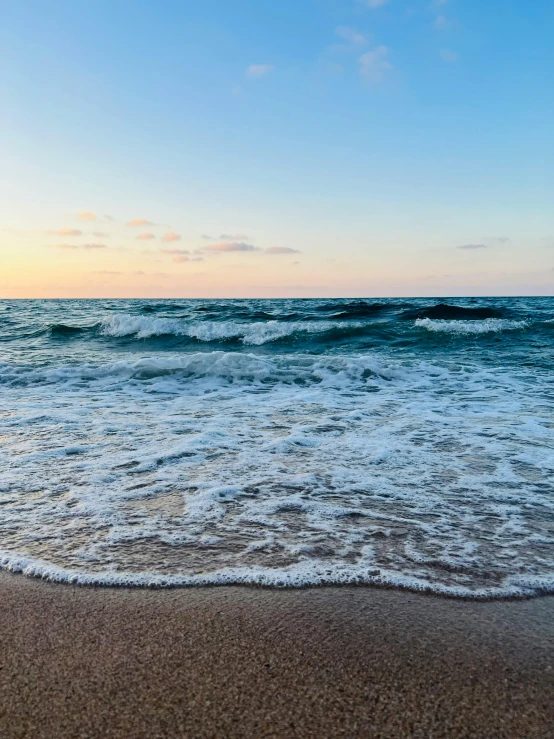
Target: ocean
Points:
(404, 443)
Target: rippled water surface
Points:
(280, 442)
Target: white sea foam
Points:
(282, 470)
(485, 326)
(255, 334)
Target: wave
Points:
(444, 312)
(489, 325)
(159, 307)
(297, 369)
(61, 329)
(355, 309)
(255, 334)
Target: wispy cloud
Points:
(256, 71)
(281, 250)
(472, 246)
(109, 218)
(442, 23)
(100, 235)
(374, 3)
(66, 232)
(171, 236)
(233, 237)
(86, 215)
(448, 55)
(353, 40)
(374, 65)
(107, 272)
(138, 222)
(181, 255)
(81, 246)
(497, 239)
(145, 237)
(175, 251)
(228, 246)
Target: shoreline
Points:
(241, 661)
(478, 597)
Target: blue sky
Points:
(352, 145)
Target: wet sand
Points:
(244, 662)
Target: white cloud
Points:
(374, 64)
(255, 71)
(472, 246)
(375, 3)
(226, 246)
(442, 23)
(448, 55)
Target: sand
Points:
(244, 662)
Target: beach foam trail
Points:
(425, 461)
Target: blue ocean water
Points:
(406, 442)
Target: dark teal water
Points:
(281, 442)
(49, 331)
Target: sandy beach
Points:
(243, 662)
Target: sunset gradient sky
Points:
(237, 148)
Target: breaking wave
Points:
(298, 369)
(209, 331)
(489, 325)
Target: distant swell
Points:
(60, 329)
(444, 312)
(355, 309)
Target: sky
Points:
(254, 148)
